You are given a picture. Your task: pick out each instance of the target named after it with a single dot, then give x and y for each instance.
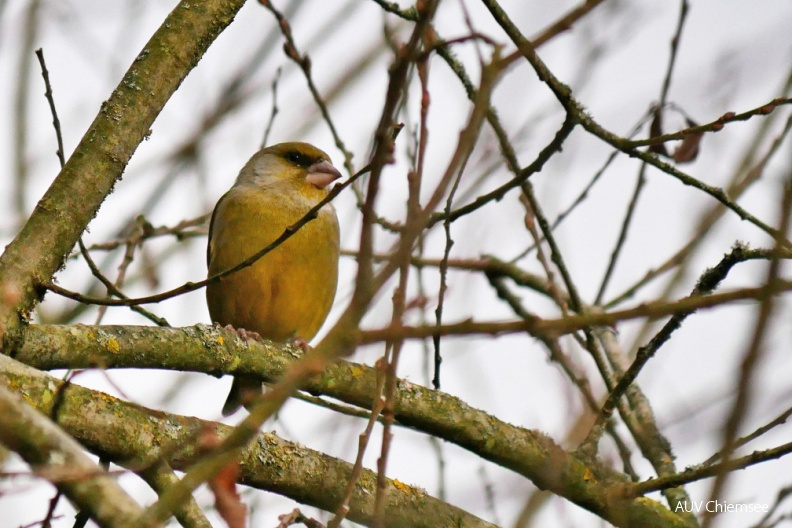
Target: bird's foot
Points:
(300, 343)
(245, 335)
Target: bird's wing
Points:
(211, 228)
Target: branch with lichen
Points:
(138, 439)
(56, 456)
(216, 351)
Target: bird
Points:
(287, 294)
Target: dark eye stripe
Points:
(298, 158)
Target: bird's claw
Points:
(300, 343)
(245, 335)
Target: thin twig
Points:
(192, 286)
(753, 355)
(274, 110)
(112, 289)
(556, 327)
(51, 100)
(628, 217)
(696, 473)
(620, 241)
(714, 126)
(707, 283)
(304, 62)
(772, 424)
(576, 110)
(181, 231)
(363, 441)
(748, 172)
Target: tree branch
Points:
(212, 350)
(137, 438)
(56, 456)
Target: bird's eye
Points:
(296, 157)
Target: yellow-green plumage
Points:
(288, 293)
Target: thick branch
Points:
(216, 351)
(137, 438)
(57, 457)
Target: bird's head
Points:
(292, 166)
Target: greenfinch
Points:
(287, 294)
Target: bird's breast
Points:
(289, 291)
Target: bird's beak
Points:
(322, 174)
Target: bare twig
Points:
(556, 327)
(363, 440)
(51, 101)
(707, 283)
(192, 286)
(753, 354)
(304, 62)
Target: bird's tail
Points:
(244, 391)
